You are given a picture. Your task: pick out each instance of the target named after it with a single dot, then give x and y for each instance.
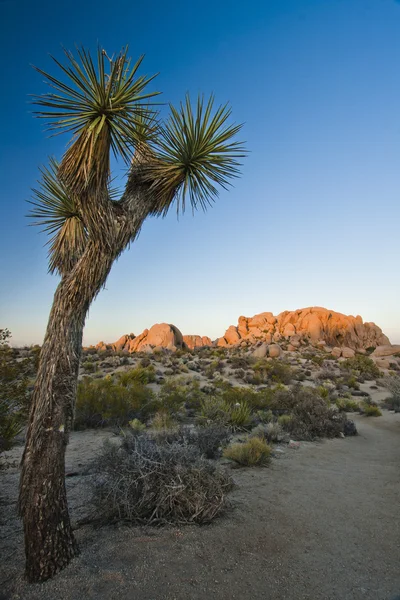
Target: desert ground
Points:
(320, 523)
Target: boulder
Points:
(382, 363)
(261, 351)
(274, 350)
(161, 335)
(386, 350)
(336, 352)
(348, 352)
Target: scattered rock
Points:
(348, 352)
(274, 350)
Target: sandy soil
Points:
(322, 523)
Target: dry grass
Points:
(253, 452)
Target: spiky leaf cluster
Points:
(104, 104)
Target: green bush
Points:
(214, 409)
(363, 366)
(89, 366)
(253, 452)
(137, 425)
(175, 394)
(347, 405)
(104, 402)
(143, 375)
(14, 395)
(277, 371)
(371, 410)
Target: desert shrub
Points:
(137, 425)
(327, 374)
(240, 362)
(89, 366)
(214, 409)
(149, 483)
(392, 383)
(363, 366)
(271, 432)
(208, 440)
(349, 428)
(143, 375)
(323, 392)
(284, 421)
(265, 416)
(104, 402)
(371, 410)
(253, 452)
(280, 372)
(163, 420)
(312, 418)
(240, 395)
(14, 395)
(347, 405)
(176, 393)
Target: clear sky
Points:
(314, 219)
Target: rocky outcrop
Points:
(161, 335)
(196, 341)
(342, 335)
(386, 350)
(313, 324)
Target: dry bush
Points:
(312, 418)
(253, 452)
(208, 440)
(271, 432)
(392, 383)
(145, 482)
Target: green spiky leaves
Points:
(103, 104)
(56, 212)
(196, 152)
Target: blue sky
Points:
(314, 219)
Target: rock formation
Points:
(161, 335)
(340, 334)
(317, 325)
(196, 341)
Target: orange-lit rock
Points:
(196, 341)
(314, 324)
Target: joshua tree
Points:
(105, 105)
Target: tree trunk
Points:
(49, 541)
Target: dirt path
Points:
(322, 523)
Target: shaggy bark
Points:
(49, 540)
